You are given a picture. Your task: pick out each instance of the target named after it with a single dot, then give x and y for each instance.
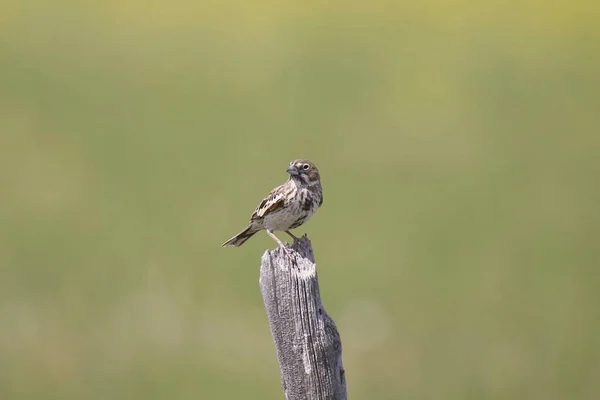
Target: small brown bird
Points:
(287, 206)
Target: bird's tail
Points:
(241, 237)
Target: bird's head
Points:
(304, 171)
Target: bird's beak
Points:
(292, 170)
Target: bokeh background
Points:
(457, 247)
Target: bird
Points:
(287, 206)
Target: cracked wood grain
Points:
(307, 342)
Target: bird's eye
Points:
(305, 167)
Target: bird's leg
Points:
(292, 235)
(275, 238)
(285, 248)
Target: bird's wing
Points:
(274, 201)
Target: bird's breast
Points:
(297, 210)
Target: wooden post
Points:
(307, 342)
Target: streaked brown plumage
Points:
(287, 206)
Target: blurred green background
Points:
(458, 242)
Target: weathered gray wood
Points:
(307, 342)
